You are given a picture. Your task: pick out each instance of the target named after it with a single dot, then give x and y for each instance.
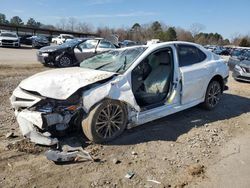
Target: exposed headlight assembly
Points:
(237, 68)
(45, 54)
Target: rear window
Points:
(189, 55)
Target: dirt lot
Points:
(191, 148)
(12, 56)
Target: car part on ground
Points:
(74, 154)
(73, 52)
(118, 89)
(9, 39)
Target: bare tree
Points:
(84, 27)
(62, 24)
(184, 35)
(72, 23)
(196, 28)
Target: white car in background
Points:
(62, 38)
(9, 39)
(119, 89)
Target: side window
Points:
(88, 44)
(189, 55)
(106, 44)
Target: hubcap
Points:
(214, 94)
(109, 121)
(65, 61)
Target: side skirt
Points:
(160, 112)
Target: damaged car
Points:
(72, 52)
(241, 71)
(118, 89)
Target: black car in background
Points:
(25, 39)
(39, 41)
(73, 52)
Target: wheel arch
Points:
(220, 79)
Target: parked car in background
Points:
(127, 43)
(235, 58)
(118, 89)
(25, 39)
(9, 39)
(241, 71)
(39, 41)
(61, 38)
(73, 52)
(221, 51)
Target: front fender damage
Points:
(118, 89)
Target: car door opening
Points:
(151, 79)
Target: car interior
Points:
(151, 79)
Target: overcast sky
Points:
(227, 17)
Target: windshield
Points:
(247, 54)
(114, 61)
(236, 53)
(71, 43)
(8, 35)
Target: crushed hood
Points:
(62, 83)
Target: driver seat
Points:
(156, 85)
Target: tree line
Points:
(137, 32)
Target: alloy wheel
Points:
(214, 94)
(109, 121)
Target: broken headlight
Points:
(72, 104)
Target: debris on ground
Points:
(26, 146)
(67, 156)
(116, 161)
(154, 181)
(129, 175)
(195, 169)
(10, 135)
(134, 153)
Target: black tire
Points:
(213, 95)
(65, 61)
(98, 127)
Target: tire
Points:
(100, 126)
(213, 95)
(65, 61)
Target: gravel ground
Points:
(175, 151)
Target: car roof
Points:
(173, 43)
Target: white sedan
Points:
(118, 89)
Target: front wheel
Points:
(105, 122)
(64, 61)
(213, 95)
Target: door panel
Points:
(193, 79)
(84, 54)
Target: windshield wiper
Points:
(123, 66)
(102, 66)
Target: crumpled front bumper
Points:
(31, 123)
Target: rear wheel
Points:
(213, 95)
(105, 122)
